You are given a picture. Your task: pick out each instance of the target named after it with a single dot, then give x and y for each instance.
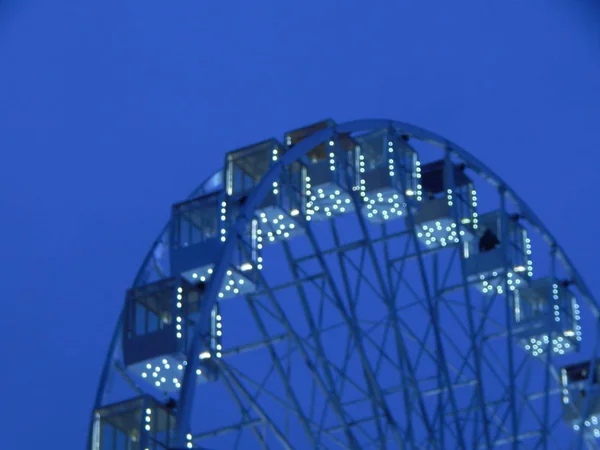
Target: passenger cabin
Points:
(493, 261)
(389, 175)
(546, 312)
(448, 209)
(581, 396)
(158, 332)
(331, 172)
(282, 208)
(141, 423)
(199, 231)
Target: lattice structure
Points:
(377, 286)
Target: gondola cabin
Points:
(547, 316)
(496, 261)
(389, 175)
(331, 169)
(141, 423)
(280, 211)
(159, 322)
(449, 206)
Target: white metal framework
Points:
(363, 285)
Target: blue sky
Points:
(112, 111)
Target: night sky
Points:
(112, 111)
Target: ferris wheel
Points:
(359, 285)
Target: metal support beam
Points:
(450, 183)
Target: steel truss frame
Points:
(337, 272)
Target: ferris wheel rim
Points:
(295, 153)
(207, 186)
(259, 192)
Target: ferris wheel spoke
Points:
(365, 396)
(261, 390)
(308, 278)
(352, 323)
(487, 319)
(422, 341)
(328, 387)
(281, 372)
(343, 261)
(542, 418)
(381, 354)
(320, 284)
(257, 408)
(495, 406)
(253, 346)
(495, 409)
(396, 323)
(354, 293)
(512, 440)
(522, 396)
(466, 356)
(344, 379)
(397, 266)
(409, 388)
(220, 431)
(330, 392)
(408, 370)
(476, 336)
(418, 303)
(460, 371)
(252, 306)
(475, 407)
(362, 281)
(246, 419)
(319, 331)
(423, 347)
(424, 350)
(502, 427)
(359, 280)
(375, 408)
(460, 357)
(474, 346)
(445, 279)
(437, 335)
(552, 425)
(260, 386)
(350, 348)
(388, 318)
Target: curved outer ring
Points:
(261, 190)
(203, 188)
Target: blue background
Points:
(111, 111)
